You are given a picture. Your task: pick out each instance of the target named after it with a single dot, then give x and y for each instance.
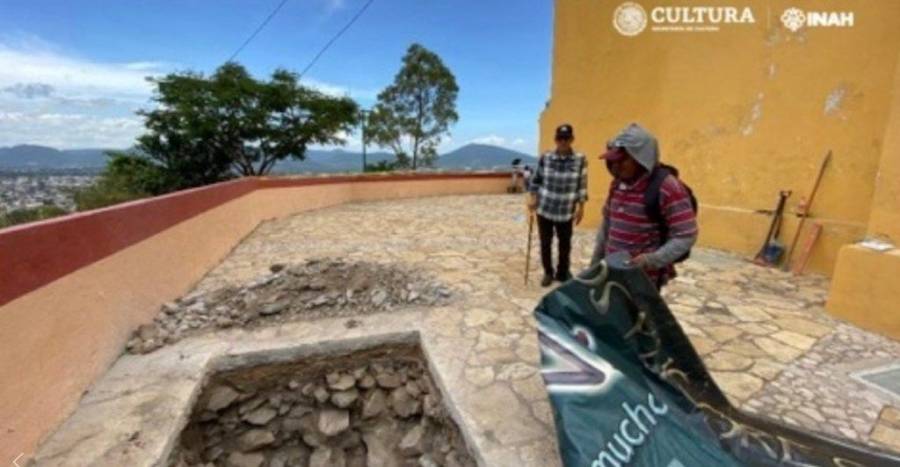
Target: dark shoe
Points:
(547, 280)
(564, 277)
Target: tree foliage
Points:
(206, 130)
(416, 110)
(382, 166)
(125, 178)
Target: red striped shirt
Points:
(631, 230)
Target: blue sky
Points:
(72, 72)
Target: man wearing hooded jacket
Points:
(632, 157)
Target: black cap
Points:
(565, 131)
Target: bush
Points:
(126, 177)
(382, 166)
(22, 216)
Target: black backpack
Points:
(651, 201)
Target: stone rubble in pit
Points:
(403, 425)
(314, 289)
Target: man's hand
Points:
(640, 261)
(579, 213)
(532, 203)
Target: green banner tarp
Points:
(627, 387)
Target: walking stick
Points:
(528, 250)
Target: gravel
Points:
(315, 289)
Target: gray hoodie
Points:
(642, 146)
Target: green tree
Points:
(206, 130)
(417, 109)
(126, 177)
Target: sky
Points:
(73, 72)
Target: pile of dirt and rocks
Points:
(311, 290)
(376, 407)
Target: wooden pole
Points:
(804, 212)
(528, 250)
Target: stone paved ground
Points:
(763, 334)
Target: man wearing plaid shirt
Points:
(558, 192)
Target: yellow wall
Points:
(741, 112)
(57, 339)
(866, 284)
(866, 289)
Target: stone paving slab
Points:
(764, 334)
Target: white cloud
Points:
(51, 97)
(29, 90)
(519, 142)
(490, 139)
(36, 64)
(351, 140)
(149, 66)
(66, 131)
(337, 90)
(61, 100)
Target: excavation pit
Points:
(373, 407)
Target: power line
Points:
(336, 36)
(260, 28)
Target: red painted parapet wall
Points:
(33, 255)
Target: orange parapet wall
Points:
(35, 254)
(72, 289)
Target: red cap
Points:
(614, 154)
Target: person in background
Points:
(558, 191)
(649, 213)
(527, 173)
(517, 177)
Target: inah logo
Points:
(630, 19)
(795, 18)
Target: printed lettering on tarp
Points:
(628, 389)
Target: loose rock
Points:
(344, 399)
(332, 422)
(311, 290)
(255, 439)
(412, 442)
(374, 404)
(221, 397)
(239, 459)
(261, 416)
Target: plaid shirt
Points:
(559, 181)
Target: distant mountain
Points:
(335, 160)
(28, 157)
(482, 156)
(470, 156)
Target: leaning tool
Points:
(800, 263)
(772, 249)
(804, 211)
